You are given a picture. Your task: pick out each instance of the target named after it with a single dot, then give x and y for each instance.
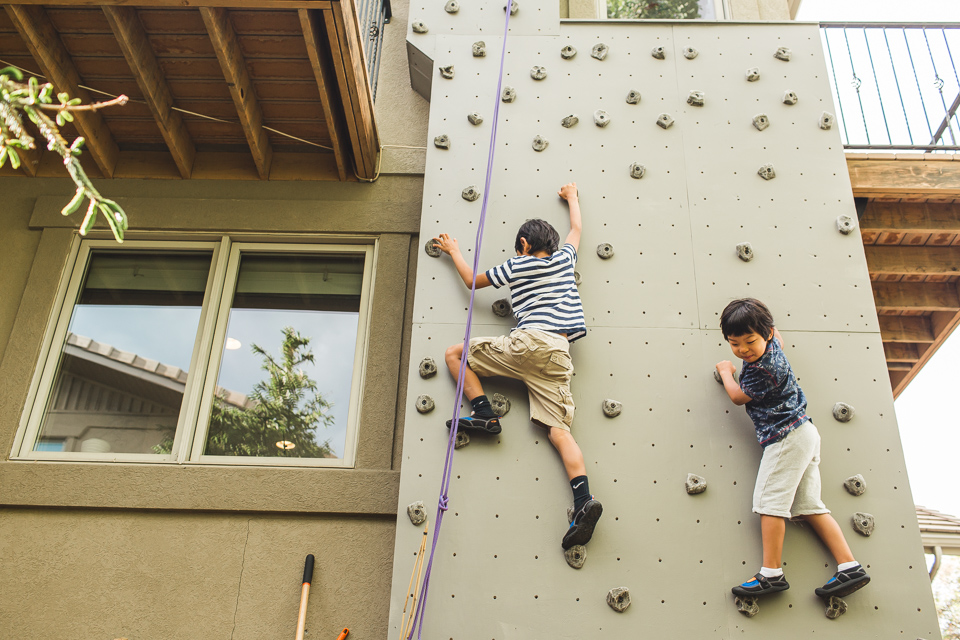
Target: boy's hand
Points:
(778, 337)
(569, 191)
(446, 244)
(726, 367)
(730, 385)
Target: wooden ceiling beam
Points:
(906, 329)
(911, 217)
(136, 48)
(899, 366)
(319, 53)
(944, 261)
(224, 38)
(55, 63)
(180, 4)
(916, 296)
(901, 352)
(936, 178)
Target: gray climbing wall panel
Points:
(652, 309)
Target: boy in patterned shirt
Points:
(788, 482)
(545, 300)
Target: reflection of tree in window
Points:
(653, 9)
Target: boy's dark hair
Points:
(747, 315)
(540, 235)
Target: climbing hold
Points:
(475, 118)
(753, 74)
(463, 439)
(576, 278)
(845, 225)
(417, 512)
(783, 53)
(568, 52)
(619, 599)
(500, 404)
(599, 51)
(540, 143)
(716, 376)
(479, 49)
(836, 607)
(509, 94)
(601, 118)
(432, 249)
(576, 556)
(747, 605)
(425, 404)
(745, 252)
(695, 484)
(428, 368)
(570, 514)
(761, 121)
(447, 72)
(419, 27)
(766, 172)
(855, 485)
(790, 97)
(658, 53)
(514, 7)
(826, 120)
(569, 121)
(633, 97)
(690, 53)
(843, 412)
(442, 141)
(605, 250)
(612, 408)
(863, 523)
(470, 194)
(452, 6)
(637, 170)
(538, 73)
(502, 308)
(695, 98)
(664, 121)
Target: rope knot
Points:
(444, 503)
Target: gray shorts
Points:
(788, 482)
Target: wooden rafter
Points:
(179, 4)
(916, 296)
(913, 260)
(143, 63)
(319, 52)
(911, 217)
(922, 177)
(224, 38)
(906, 329)
(901, 352)
(55, 63)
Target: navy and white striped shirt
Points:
(543, 292)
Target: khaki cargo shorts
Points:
(541, 360)
(788, 482)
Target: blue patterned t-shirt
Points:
(777, 404)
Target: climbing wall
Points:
(653, 310)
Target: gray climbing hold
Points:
(637, 170)
(502, 308)
(417, 512)
(514, 7)
(855, 485)
(447, 72)
(599, 51)
(783, 53)
(690, 53)
(568, 52)
(761, 121)
(605, 250)
(745, 251)
(718, 378)
(463, 439)
(452, 6)
(442, 141)
(425, 404)
(695, 98)
(428, 368)
(843, 412)
(471, 193)
(747, 605)
(767, 172)
(538, 72)
(474, 118)
(619, 599)
(576, 556)
(664, 121)
(633, 97)
(540, 143)
(601, 118)
(500, 404)
(790, 97)
(863, 523)
(569, 121)
(576, 278)
(836, 607)
(753, 74)
(570, 514)
(509, 94)
(826, 120)
(479, 49)
(612, 408)
(419, 27)
(845, 225)
(658, 53)
(432, 249)
(695, 484)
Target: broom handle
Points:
(304, 594)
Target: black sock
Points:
(481, 408)
(581, 492)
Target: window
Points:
(204, 352)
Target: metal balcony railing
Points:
(896, 86)
(373, 15)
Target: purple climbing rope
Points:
(443, 502)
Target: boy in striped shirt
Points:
(545, 300)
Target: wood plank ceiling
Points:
(224, 89)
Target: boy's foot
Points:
(473, 423)
(759, 585)
(843, 583)
(584, 522)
